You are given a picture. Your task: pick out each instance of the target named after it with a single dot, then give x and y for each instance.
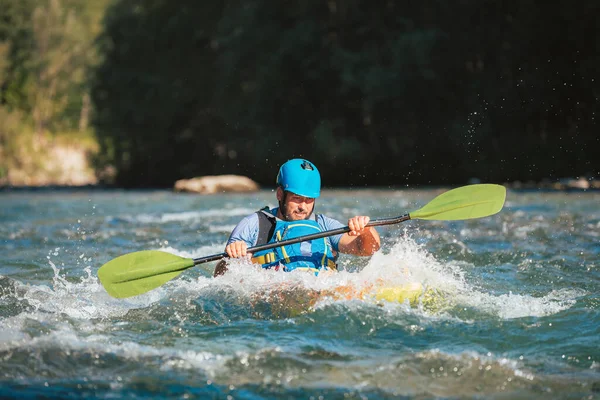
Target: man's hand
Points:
(357, 225)
(361, 240)
(236, 249)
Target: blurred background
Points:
(140, 93)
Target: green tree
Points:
(153, 91)
(388, 93)
(46, 52)
(51, 50)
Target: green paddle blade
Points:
(139, 272)
(473, 201)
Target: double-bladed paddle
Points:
(139, 272)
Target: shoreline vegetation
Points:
(547, 185)
(66, 162)
(46, 159)
(99, 187)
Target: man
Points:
(298, 185)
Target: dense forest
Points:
(375, 93)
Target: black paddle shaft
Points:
(306, 238)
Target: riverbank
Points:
(49, 160)
(66, 161)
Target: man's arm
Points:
(361, 240)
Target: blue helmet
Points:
(300, 177)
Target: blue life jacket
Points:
(313, 255)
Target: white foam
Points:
(83, 300)
(67, 340)
(188, 215)
(221, 228)
(508, 306)
(405, 262)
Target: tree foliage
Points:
(47, 52)
(46, 71)
(374, 93)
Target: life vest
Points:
(313, 255)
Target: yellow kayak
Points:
(292, 301)
(412, 292)
(400, 294)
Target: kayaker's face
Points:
(294, 207)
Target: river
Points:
(517, 314)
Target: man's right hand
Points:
(236, 249)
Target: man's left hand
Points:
(357, 224)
